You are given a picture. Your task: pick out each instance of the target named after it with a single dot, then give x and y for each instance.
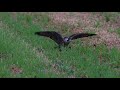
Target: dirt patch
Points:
(110, 39)
(71, 18)
(90, 22)
(16, 70)
(78, 30)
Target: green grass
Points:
(111, 16)
(36, 56)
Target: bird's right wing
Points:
(51, 34)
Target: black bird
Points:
(59, 39)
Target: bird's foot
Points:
(60, 50)
(55, 47)
(69, 47)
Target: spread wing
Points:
(51, 34)
(80, 35)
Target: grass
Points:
(36, 57)
(118, 31)
(111, 16)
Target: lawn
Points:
(25, 55)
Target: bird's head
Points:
(66, 39)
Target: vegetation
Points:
(23, 54)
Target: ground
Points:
(23, 54)
(84, 21)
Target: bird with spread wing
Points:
(62, 41)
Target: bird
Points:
(62, 41)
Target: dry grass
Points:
(93, 22)
(16, 70)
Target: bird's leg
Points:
(70, 47)
(67, 45)
(60, 48)
(55, 47)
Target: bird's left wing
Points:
(80, 35)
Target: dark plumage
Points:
(59, 39)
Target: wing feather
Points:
(52, 35)
(80, 35)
